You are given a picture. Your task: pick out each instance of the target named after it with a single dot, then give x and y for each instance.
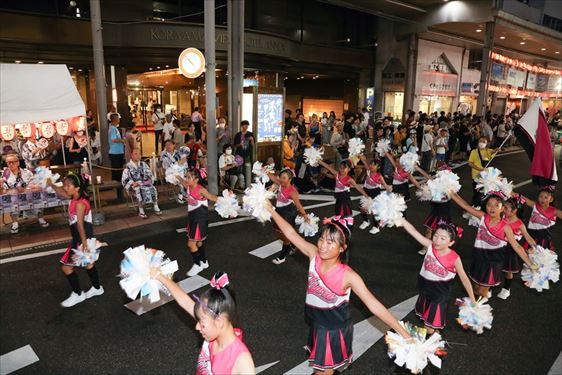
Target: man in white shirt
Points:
(427, 149)
(112, 110)
(168, 128)
(158, 122)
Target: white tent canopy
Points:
(37, 93)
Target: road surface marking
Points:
(265, 367)
(556, 368)
(188, 285)
(17, 359)
(33, 255)
(365, 334)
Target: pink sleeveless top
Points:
(195, 199)
(220, 363)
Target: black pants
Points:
(116, 166)
(157, 138)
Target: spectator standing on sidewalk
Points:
(427, 149)
(116, 151)
(158, 122)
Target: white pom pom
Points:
(366, 205)
(409, 161)
(506, 187)
(424, 193)
(415, 355)
(174, 171)
(488, 180)
(255, 198)
(356, 147)
(42, 175)
(383, 146)
(81, 258)
(308, 228)
(313, 155)
(475, 316)
(135, 272)
(227, 205)
(388, 208)
(473, 221)
(549, 269)
(260, 172)
(444, 182)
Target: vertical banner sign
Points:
(370, 100)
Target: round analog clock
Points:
(191, 63)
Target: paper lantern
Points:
(8, 132)
(48, 129)
(77, 123)
(63, 128)
(43, 143)
(28, 130)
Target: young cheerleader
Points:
(511, 262)
(543, 217)
(439, 268)
(440, 211)
(81, 228)
(493, 235)
(287, 205)
(223, 351)
(330, 282)
(374, 183)
(197, 219)
(344, 182)
(401, 177)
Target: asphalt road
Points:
(101, 336)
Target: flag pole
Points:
(498, 149)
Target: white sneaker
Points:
(195, 269)
(94, 292)
(73, 299)
(180, 199)
(43, 223)
(364, 225)
(489, 294)
(504, 294)
(278, 261)
(15, 228)
(205, 264)
(374, 230)
(422, 251)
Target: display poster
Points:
(270, 117)
(555, 83)
(497, 73)
(542, 82)
(511, 76)
(531, 81)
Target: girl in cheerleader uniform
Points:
(81, 228)
(511, 262)
(344, 183)
(543, 217)
(400, 178)
(330, 282)
(494, 233)
(287, 205)
(223, 351)
(440, 266)
(197, 218)
(373, 185)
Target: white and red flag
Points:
(532, 132)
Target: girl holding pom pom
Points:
(197, 218)
(543, 217)
(287, 205)
(494, 233)
(374, 183)
(440, 266)
(401, 177)
(511, 262)
(344, 183)
(81, 228)
(330, 282)
(223, 351)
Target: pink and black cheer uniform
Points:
(489, 253)
(327, 307)
(440, 212)
(197, 215)
(223, 362)
(373, 187)
(73, 222)
(343, 196)
(539, 226)
(400, 184)
(285, 206)
(434, 284)
(511, 261)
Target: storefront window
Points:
(430, 104)
(394, 104)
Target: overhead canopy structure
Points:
(37, 93)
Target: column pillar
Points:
(210, 84)
(235, 62)
(485, 68)
(410, 86)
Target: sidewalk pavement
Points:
(118, 217)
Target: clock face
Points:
(191, 63)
